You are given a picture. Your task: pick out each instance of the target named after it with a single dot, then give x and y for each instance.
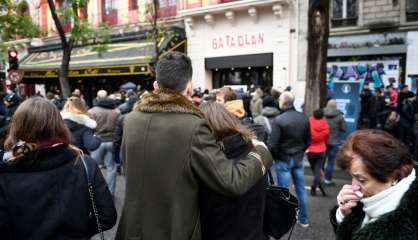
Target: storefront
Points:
(243, 43)
(124, 61)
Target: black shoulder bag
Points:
(281, 211)
(91, 193)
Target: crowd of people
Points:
(194, 158)
(392, 110)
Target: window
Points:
(344, 13)
(411, 10)
(133, 4)
(110, 11)
(109, 7)
(162, 3)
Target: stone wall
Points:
(375, 11)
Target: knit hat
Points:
(236, 107)
(269, 101)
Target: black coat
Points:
(290, 134)
(400, 224)
(81, 127)
(45, 196)
(241, 218)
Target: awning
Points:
(382, 50)
(252, 60)
(128, 58)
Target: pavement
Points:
(318, 209)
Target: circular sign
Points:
(15, 76)
(346, 88)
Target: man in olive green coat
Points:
(170, 152)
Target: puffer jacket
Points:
(81, 127)
(268, 113)
(319, 134)
(336, 124)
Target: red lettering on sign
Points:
(232, 42)
(240, 41)
(261, 38)
(253, 40)
(220, 43)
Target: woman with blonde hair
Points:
(80, 124)
(231, 218)
(43, 182)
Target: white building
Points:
(248, 42)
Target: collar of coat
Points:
(166, 101)
(401, 223)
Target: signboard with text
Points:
(347, 97)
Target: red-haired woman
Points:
(381, 201)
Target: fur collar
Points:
(401, 223)
(166, 101)
(80, 119)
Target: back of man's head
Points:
(101, 94)
(174, 71)
(287, 99)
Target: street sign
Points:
(15, 76)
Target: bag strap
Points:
(91, 194)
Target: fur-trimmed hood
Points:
(81, 119)
(166, 101)
(400, 224)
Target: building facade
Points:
(249, 42)
(374, 40)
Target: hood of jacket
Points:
(106, 103)
(331, 112)
(236, 107)
(319, 127)
(166, 101)
(270, 112)
(81, 119)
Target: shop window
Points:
(344, 13)
(411, 10)
(110, 11)
(133, 4)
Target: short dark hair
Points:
(174, 71)
(383, 155)
(318, 114)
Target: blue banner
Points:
(347, 96)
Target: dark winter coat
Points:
(241, 218)
(45, 197)
(400, 224)
(106, 114)
(336, 124)
(81, 127)
(376, 105)
(290, 134)
(169, 151)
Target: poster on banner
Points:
(377, 74)
(346, 95)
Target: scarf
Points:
(385, 201)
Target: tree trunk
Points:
(316, 68)
(66, 48)
(65, 66)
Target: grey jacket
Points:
(336, 124)
(106, 115)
